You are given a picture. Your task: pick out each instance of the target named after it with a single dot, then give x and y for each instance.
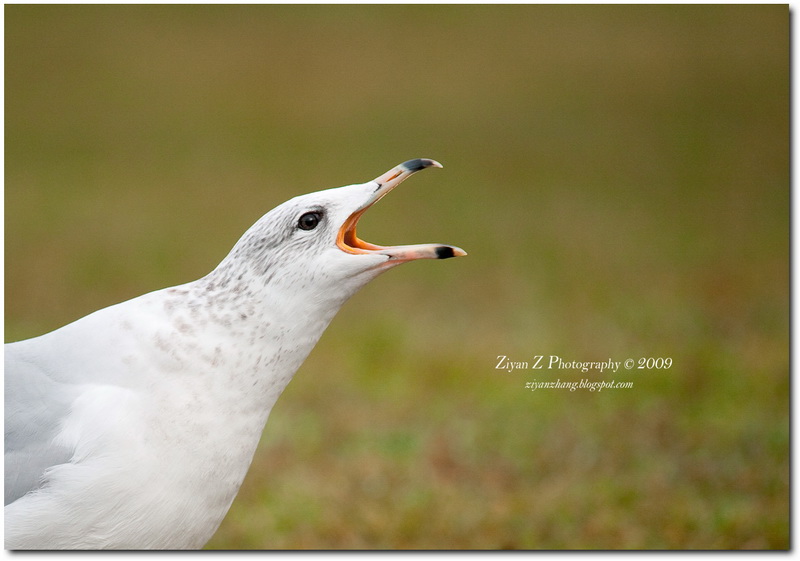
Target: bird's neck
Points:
(253, 338)
(260, 332)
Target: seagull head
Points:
(311, 241)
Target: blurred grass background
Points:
(618, 174)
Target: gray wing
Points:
(35, 405)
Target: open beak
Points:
(349, 242)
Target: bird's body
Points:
(134, 426)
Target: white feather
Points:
(134, 426)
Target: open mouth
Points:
(348, 241)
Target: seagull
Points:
(134, 426)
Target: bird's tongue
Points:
(349, 242)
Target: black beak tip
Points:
(444, 252)
(418, 164)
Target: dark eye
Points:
(309, 220)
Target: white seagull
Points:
(134, 426)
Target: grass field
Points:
(619, 176)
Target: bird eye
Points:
(309, 220)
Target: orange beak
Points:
(348, 241)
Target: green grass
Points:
(619, 176)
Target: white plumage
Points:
(134, 426)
